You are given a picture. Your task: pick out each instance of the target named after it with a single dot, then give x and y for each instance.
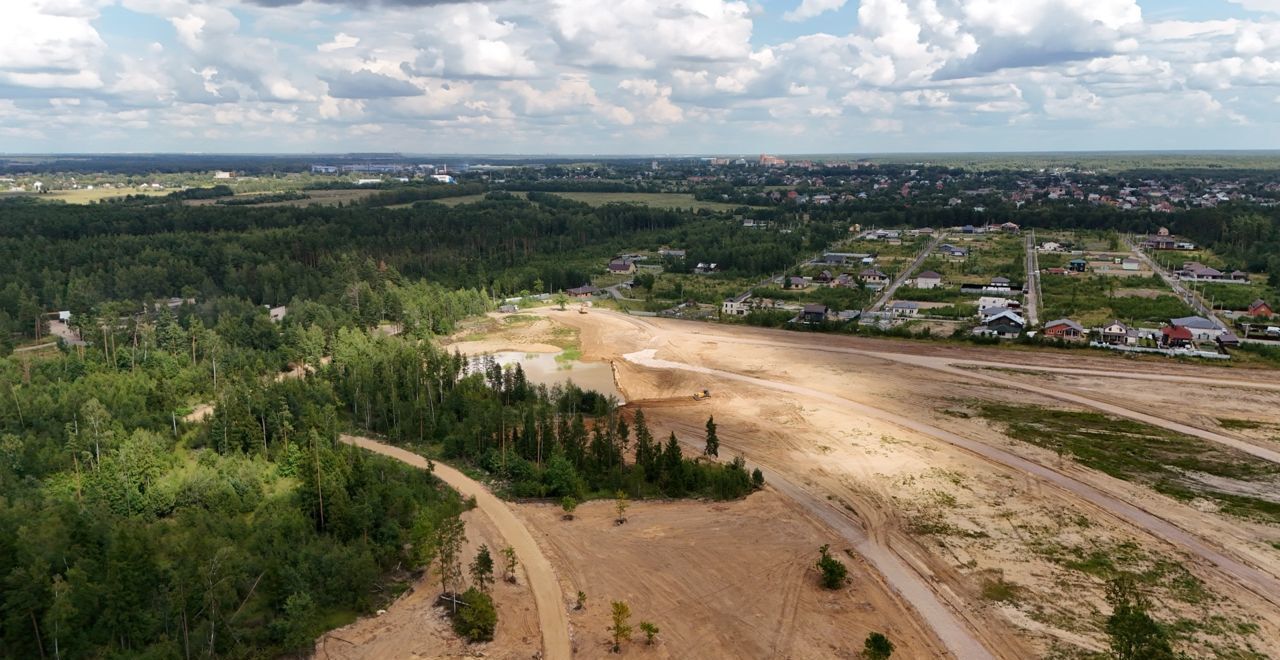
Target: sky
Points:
(638, 76)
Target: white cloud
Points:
(811, 8)
(49, 44)
(1259, 5)
(341, 41)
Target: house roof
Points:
(583, 289)
(999, 280)
(872, 272)
(1067, 322)
(1258, 303)
(1176, 332)
(904, 304)
(1195, 322)
(928, 275)
(1007, 315)
(815, 308)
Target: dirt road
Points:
(947, 365)
(542, 577)
(856, 438)
(1259, 582)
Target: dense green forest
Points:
(128, 531)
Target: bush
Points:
(477, 618)
(877, 647)
(834, 572)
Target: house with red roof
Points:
(1175, 336)
(1260, 309)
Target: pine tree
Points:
(713, 442)
(482, 569)
(621, 627)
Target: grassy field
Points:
(1236, 296)
(98, 194)
(1181, 466)
(656, 200)
(1093, 300)
(321, 197)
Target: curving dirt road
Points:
(542, 577)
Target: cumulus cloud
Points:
(675, 74)
(365, 84)
(811, 8)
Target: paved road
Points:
(542, 577)
(943, 621)
(888, 292)
(1174, 283)
(1032, 304)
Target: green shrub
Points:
(477, 618)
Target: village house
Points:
(797, 282)
(1007, 324)
(988, 303)
(1129, 263)
(1119, 334)
(873, 276)
(1077, 265)
(1259, 309)
(1064, 329)
(904, 308)
(1202, 329)
(952, 251)
(672, 253)
(814, 313)
(584, 291)
(928, 280)
(999, 284)
(737, 306)
(1175, 336)
(622, 266)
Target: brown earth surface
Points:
(957, 536)
(964, 521)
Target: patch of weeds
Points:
(1000, 590)
(1142, 453)
(1240, 424)
(943, 499)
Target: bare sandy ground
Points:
(720, 580)
(864, 450)
(963, 521)
(414, 628)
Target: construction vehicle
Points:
(704, 394)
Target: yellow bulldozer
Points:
(704, 394)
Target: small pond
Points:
(546, 369)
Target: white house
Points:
(991, 302)
(928, 280)
(904, 308)
(1130, 264)
(737, 306)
